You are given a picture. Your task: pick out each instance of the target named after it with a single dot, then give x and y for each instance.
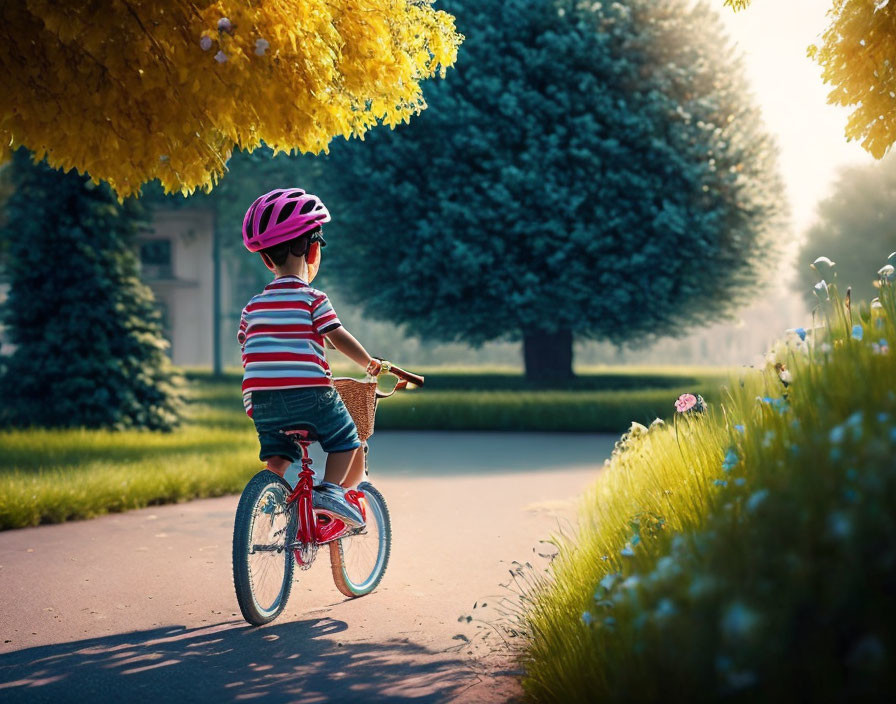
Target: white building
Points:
(176, 257)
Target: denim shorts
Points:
(318, 408)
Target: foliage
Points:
(576, 161)
(747, 553)
(132, 90)
(89, 349)
(856, 57)
(855, 228)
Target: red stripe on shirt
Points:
(284, 382)
(281, 357)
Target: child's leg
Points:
(356, 471)
(338, 465)
(278, 464)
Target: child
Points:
(287, 382)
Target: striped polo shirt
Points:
(281, 335)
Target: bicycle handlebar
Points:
(389, 368)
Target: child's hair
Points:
(298, 247)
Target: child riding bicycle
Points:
(287, 381)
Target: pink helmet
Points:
(281, 215)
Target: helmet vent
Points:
(307, 207)
(265, 217)
(286, 211)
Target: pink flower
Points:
(685, 402)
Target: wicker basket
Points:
(360, 399)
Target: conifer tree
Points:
(88, 344)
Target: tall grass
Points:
(748, 553)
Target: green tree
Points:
(590, 171)
(856, 229)
(88, 344)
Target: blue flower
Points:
(801, 332)
(665, 608)
(627, 551)
(740, 481)
(587, 618)
(756, 500)
(609, 580)
(740, 429)
(857, 332)
(720, 482)
(731, 460)
(739, 621)
(893, 435)
(838, 432)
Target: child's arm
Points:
(346, 343)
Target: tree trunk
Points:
(548, 356)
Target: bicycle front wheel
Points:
(262, 561)
(359, 561)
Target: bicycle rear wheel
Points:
(262, 561)
(359, 561)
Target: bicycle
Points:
(276, 526)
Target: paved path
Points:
(140, 606)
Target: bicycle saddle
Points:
(300, 432)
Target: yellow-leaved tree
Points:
(857, 52)
(134, 90)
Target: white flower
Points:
(637, 429)
(886, 271)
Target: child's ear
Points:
(268, 262)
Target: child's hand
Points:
(374, 367)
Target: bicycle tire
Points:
(263, 483)
(348, 584)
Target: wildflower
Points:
(883, 417)
(587, 618)
(665, 608)
(880, 347)
(731, 460)
(838, 432)
(767, 438)
(800, 332)
(220, 57)
(610, 622)
(666, 567)
(657, 423)
(627, 551)
(261, 46)
(609, 580)
(757, 499)
(720, 482)
(205, 43)
(739, 621)
(839, 526)
(685, 403)
(784, 374)
(740, 429)
(823, 262)
(631, 583)
(893, 435)
(876, 304)
(225, 25)
(821, 290)
(740, 481)
(887, 271)
(636, 429)
(164, 158)
(857, 332)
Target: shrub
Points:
(748, 553)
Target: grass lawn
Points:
(55, 476)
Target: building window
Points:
(155, 259)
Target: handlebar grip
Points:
(415, 379)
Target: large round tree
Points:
(88, 342)
(589, 170)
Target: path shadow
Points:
(300, 661)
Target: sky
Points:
(773, 36)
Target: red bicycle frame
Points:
(315, 527)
